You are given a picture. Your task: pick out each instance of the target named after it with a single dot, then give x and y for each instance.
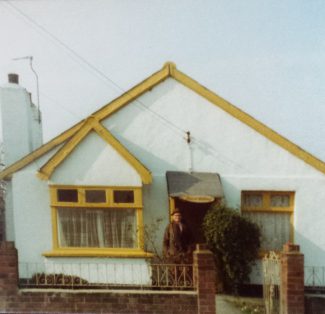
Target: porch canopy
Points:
(197, 187)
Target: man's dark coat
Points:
(177, 244)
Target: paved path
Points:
(224, 306)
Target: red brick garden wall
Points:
(315, 304)
(96, 302)
(205, 279)
(292, 280)
(14, 300)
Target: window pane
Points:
(123, 197)
(95, 196)
(275, 229)
(107, 228)
(280, 200)
(253, 200)
(67, 195)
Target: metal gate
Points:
(272, 283)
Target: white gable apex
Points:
(95, 162)
(158, 121)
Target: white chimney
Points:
(21, 121)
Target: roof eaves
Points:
(144, 173)
(7, 172)
(169, 70)
(134, 92)
(48, 168)
(248, 120)
(100, 114)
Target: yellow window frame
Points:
(267, 207)
(81, 203)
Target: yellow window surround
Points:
(97, 252)
(81, 202)
(268, 208)
(266, 201)
(81, 191)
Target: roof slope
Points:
(170, 70)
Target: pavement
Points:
(226, 304)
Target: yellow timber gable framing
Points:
(169, 70)
(92, 124)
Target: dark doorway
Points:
(193, 214)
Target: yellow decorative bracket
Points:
(92, 124)
(134, 162)
(46, 171)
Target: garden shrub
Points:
(234, 241)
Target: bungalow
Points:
(88, 195)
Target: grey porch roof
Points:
(194, 183)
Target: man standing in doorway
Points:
(178, 240)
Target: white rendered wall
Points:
(244, 159)
(32, 216)
(94, 162)
(36, 127)
(115, 271)
(9, 213)
(26, 196)
(21, 130)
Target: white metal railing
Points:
(272, 283)
(172, 275)
(105, 275)
(314, 278)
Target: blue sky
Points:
(266, 57)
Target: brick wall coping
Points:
(105, 291)
(291, 248)
(315, 295)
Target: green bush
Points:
(235, 242)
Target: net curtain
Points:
(102, 228)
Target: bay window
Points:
(98, 220)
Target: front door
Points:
(193, 214)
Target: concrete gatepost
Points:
(292, 280)
(8, 268)
(204, 279)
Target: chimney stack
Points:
(21, 126)
(13, 78)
